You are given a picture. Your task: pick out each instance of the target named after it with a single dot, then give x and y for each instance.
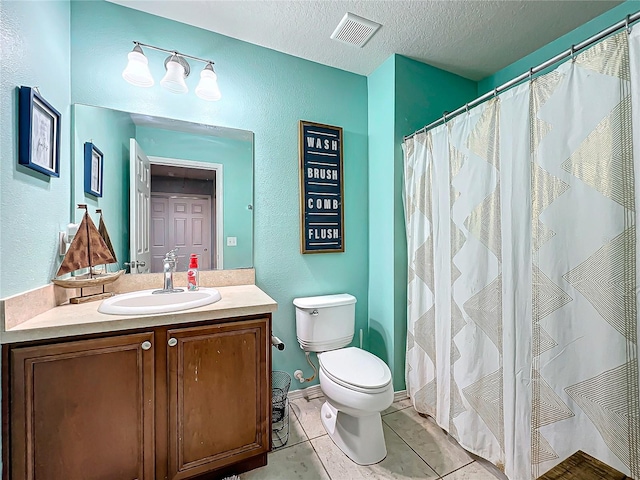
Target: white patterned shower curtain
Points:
(521, 223)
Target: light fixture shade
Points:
(137, 70)
(207, 88)
(174, 78)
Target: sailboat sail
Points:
(102, 229)
(87, 249)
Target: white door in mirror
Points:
(140, 202)
(144, 302)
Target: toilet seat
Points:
(356, 369)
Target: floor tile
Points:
(400, 405)
(495, 471)
(473, 471)
(296, 462)
(296, 432)
(428, 440)
(401, 462)
(308, 412)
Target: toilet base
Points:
(360, 438)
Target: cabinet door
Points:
(219, 395)
(83, 410)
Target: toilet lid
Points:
(355, 367)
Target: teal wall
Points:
(558, 46)
(381, 88)
(236, 157)
(109, 131)
(33, 207)
(268, 93)
(404, 95)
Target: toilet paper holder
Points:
(277, 343)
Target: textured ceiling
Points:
(473, 38)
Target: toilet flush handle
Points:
(314, 313)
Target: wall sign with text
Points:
(321, 189)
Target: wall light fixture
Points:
(137, 72)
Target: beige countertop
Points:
(69, 320)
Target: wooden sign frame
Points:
(321, 188)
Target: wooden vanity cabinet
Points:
(172, 402)
(219, 403)
(83, 410)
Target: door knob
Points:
(146, 345)
(134, 264)
(172, 342)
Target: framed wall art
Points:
(321, 188)
(38, 133)
(93, 168)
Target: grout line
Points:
(321, 462)
(412, 449)
(397, 410)
(459, 468)
(305, 430)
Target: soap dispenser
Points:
(192, 273)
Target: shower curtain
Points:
(521, 219)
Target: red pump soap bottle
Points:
(192, 273)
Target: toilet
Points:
(356, 384)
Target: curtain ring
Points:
(626, 24)
(531, 74)
(573, 53)
(466, 107)
(444, 117)
(495, 92)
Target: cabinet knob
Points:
(146, 345)
(172, 342)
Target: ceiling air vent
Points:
(354, 30)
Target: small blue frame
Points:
(93, 169)
(38, 133)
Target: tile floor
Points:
(416, 449)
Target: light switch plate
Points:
(232, 241)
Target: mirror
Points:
(201, 186)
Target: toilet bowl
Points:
(354, 400)
(357, 385)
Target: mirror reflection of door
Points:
(183, 215)
(139, 198)
(183, 222)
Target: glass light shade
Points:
(207, 88)
(137, 70)
(174, 78)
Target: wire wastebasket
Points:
(280, 383)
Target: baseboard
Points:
(315, 392)
(308, 393)
(400, 395)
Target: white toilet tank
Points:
(326, 322)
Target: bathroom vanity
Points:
(185, 395)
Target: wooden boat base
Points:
(84, 282)
(91, 298)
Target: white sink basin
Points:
(145, 302)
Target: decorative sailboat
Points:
(87, 250)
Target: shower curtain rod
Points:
(626, 23)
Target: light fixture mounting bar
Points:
(173, 52)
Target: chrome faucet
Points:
(169, 266)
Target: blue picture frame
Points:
(93, 169)
(38, 133)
